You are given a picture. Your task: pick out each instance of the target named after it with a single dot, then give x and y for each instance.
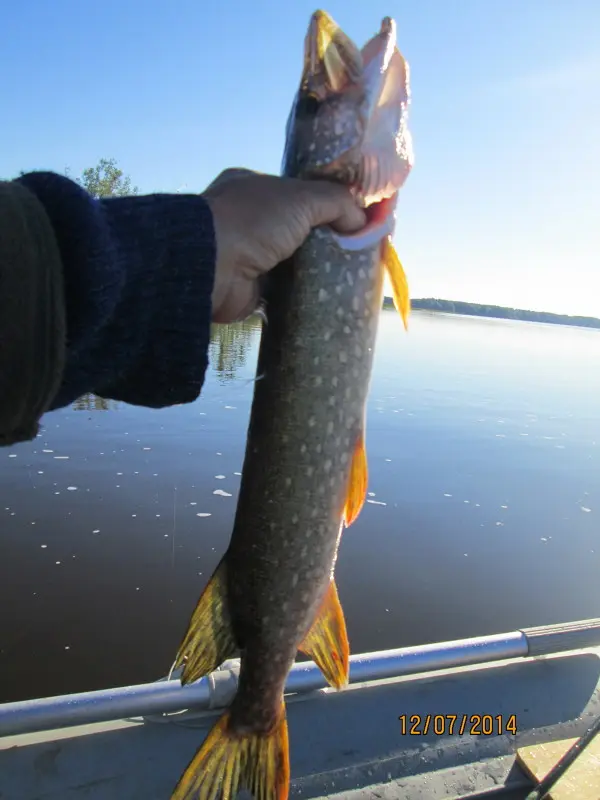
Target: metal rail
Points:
(217, 689)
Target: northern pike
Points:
(305, 469)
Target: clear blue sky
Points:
(503, 204)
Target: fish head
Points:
(348, 122)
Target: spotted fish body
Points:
(306, 425)
(305, 470)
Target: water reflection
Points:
(92, 402)
(230, 346)
(484, 489)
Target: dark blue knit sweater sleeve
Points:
(139, 274)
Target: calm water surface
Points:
(483, 440)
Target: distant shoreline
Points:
(497, 312)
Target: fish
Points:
(305, 472)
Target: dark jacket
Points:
(111, 296)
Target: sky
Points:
(503, 203)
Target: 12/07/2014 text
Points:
(457, 724)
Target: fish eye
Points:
(308, 105)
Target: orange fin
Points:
(395, 272)
(229, 761)
(209, 639)
(358, 481)
(327, 641)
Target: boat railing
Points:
(168, 696)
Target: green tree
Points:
(106, 180)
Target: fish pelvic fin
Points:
(397, 277)
(358, 481)
(209, 640)
(229, 760)
(327, 641)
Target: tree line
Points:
(499, 312)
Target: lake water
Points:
(483, 441)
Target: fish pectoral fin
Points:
(358, 481)
(229, 761)
(397, 277)
(209, 640)
(327, 641)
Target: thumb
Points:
(333, 204)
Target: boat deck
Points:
(349, 743)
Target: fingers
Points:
(333, 204)
(232, 173)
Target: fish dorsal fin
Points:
(395, 272)
(327, 641)
(209, 639)
(358, 481)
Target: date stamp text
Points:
(457, 724)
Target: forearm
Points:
(138, 275)
(108, 296)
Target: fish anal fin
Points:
(229, 760)
(209, 640)
(358, 481)
(327, 641)
(397, 277)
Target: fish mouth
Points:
(331, 59)
(384, 157)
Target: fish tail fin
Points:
(327, 640)
(229, 760)
(358, 480)
(209, 640)
(397, 277)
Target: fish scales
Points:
(315, 361)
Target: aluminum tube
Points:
(376, 666)
(217, 689)
(50, 713)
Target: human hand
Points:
(260, 220)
